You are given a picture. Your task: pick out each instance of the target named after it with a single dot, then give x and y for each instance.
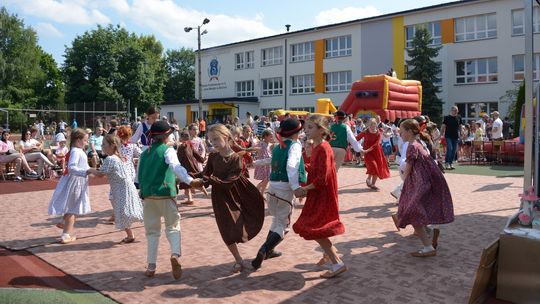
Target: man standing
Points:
(450, 131)
(497, 127)
(62, 126)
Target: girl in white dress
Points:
(127, 206)
(70, 198)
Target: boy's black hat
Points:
(289, 127)
(340, 114)
(160, 127)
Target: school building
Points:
(482, 56)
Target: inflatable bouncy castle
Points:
(384, 95)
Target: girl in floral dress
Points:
(425, 198)
(127, 205)
(319, 219)
(262, 172)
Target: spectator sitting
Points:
(94, 148)
(8, 154)
(31, 148)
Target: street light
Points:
(199, 34)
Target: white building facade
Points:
(481, 56)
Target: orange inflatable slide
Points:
(384, 95)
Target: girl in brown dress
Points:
(191, 160)
(238, 205)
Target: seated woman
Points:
(8, 154)
(31, 148)
(94, 147)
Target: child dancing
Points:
(262, 172)
(157, 169)
(425, 198)
(374, 159)
(238, 205)
(70, 198)
(287, 173)
(127, 205)
(319, 219)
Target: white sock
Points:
(428, 248)
(337, 266)
(65, 236)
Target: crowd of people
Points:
(294, 160)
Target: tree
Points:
(29, 77)
(19, 59)
(110, 65)
(425, 70)
(180, 66)
(520, 101)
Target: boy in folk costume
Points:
(342, 136)
(287, 173)
(157, 169)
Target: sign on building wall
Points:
(214, 71)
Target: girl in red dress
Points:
(319, 219)
(425, 198)
(376, 164)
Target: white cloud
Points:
(62, 11)
(336, 15)
(47, 30)
(169, 19)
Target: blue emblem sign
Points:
(213, 69)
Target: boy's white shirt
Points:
(171, 159)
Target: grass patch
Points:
(35, 296)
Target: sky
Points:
(59, 22)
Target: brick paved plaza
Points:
(380, 269)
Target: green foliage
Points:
(29, 77)
(109, 64)
(520, 101)
(425, 70)
(180, 66)
(17, 119)
(19, 58)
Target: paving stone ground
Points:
(380, 269)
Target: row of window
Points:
(305, 51)
(300, 84)
(485, 70)
(474, 27)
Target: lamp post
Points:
(199, 34)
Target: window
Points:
(476, 27)
(268, 110)
(272, 86)
(434, 28)
(239, 61)
(302, 84)
(472, 111)
(338, 46)
(245, 88)
(338, 81)
(272, 56)
(518, 21)
(518, 65)
(476, 71)
(250, 60)
(306, 109)
(302, 51)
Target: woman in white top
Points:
(8, 154)
(31, 148)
